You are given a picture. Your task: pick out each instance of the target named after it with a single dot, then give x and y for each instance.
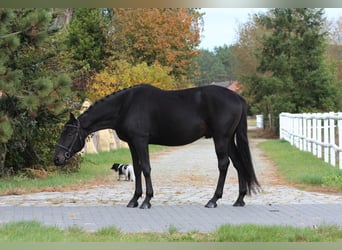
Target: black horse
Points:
(144, 114)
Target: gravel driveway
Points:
(183, 176)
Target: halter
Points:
(78, 136)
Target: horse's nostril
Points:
(58, 161)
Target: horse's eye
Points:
(71, 133)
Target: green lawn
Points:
(94, 168)
(35, 232)
(302, 167)
(296, 166)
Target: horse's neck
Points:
(96, 126)
(102, 115)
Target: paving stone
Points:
(184, 180)
(183, 218)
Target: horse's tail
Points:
(245, 155)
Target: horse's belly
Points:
(178, 134)
(172, 141)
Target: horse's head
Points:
(70, 142)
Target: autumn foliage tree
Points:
(121, 75)
(166, 37)
(246, 50)
(334, 50)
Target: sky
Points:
(221, 24)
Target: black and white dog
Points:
(125, 170)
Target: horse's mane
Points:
(105, 98)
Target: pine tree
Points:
(31, 102)
(214, 66)
(292, 73)
(87, 37)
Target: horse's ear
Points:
(72, 117)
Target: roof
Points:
(232, 85)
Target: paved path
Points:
(184, 179)
(184, 218)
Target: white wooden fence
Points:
(319, 133)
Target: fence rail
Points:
(319, 133)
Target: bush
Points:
(35, 92)
(122, 75)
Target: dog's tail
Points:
(245, 155)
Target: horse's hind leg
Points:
(221, 149)
(137, 172)
(234, 155)
(146, 168)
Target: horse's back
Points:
(209, 102)
(194, 95)
(178, 117)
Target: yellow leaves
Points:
(122, 75)
(102, 84)
(168, 37)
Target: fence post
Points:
(260, 121)
(314, 134)
(293, 130)
(319, 135)
(332, 139)
(298, 131)
(304, 132)
(282, 126)
(300, 144)
(309, 133)
(289, 128)
(339, 124)
(326, 137)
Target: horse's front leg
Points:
(146, 169)
(138, 185)
(142, 160)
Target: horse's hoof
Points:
(239, 204)
(132, 204)
(145, 205)
(211, 204)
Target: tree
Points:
(295, 77)
(215, 66)
(31, 102)
(246, 60)
(334, 54)
(334, 50)
(166, 37)
(121, 75)
(226, 56)
(87, 37)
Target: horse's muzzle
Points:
(59, 160)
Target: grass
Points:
(296, 166)
(35, 232)
(95, 168)
(302, 167)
